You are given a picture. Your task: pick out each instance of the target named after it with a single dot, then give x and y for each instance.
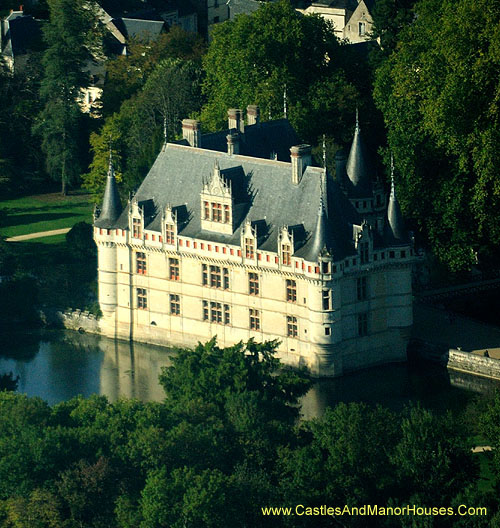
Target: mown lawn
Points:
(43, 212)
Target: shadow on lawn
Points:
(10, 220)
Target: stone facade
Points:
(243, 247)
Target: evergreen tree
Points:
(71, 39)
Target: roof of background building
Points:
(139, 28)
(260, 140)
(264, 195)
(22, 35)
(240, 7)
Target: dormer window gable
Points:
(136, 220)
(169, 225)
(363, 242)
(285, 246)
(217, 203)
(249, 241)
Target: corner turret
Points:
(395, 232)
(358, 166)
(111, 204)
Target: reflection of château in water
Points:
(127, 369)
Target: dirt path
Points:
(40, 234)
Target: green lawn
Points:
(43, 212)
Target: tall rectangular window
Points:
(225, 278)
(141, 263)
(253, 283)
(136, 228)
(362, 324)
(142, 298)
(291, 326)
(226, 214)
(227, 315)
(175, 304)
(361, 284)
(254, 319)
(174, 269)
(206, 210)
(215, 276)
(249, 248)
(169, 234)
(362, 29)
(291, 291)
(326, 299)
(364, 255)
(204, 274)
(286, 255)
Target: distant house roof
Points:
(22, 33)
(264, 195)
(139, 28)
(263, 140)
(239, 7)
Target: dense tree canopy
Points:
(253, 59)
(439, 95)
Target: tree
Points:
(71, 37)
(446, 149)
(253, 59)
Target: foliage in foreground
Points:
(224, 443)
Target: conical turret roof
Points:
(396, 234)
(358, 166)
(111, 204)
(322, 237)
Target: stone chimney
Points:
(235, 120)
(301, 158)
(233, 142)
(253, 115)
(191, 132)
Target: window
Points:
(362, 289)
(206, 209)
(169, 234)
(291, 326)
(142, 298)
(286, 255)
(391, 254)
(364, 252)
(216, 212)
(174, 270)
(141, 263)
(327, 330)
(325, 267)
(216, 19)
(326, 300)
(226, 214)
(253, 283)
(249, 248)
(363, 324)
(403, 254)
(136, 228)
(215, 276)
(254, 319)
(362, 29)
(175, 304)
(216, 312)
(291, 291)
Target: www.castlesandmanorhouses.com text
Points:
(373, 509)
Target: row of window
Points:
(220, 313)
(216, 212)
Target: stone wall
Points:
(473, 363)
(78, 320)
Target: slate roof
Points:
(135, 27)
(395, 233)
(240, 7)
(259, 140)
(111, 204)
(22, 35)
(265, 196)
(359, 168)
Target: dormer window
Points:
(249, 248)
(169, 234)
(217, 204)
(286, 254)
(364, 248)
(136, 228)
(286, 246)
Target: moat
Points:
(58, 365)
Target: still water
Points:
(59, 365)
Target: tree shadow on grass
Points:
(27, 219)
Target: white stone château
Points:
(236, 234)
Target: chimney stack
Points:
(233, 142)
(253, 114)
(235, 120)
(301, 158)
(191, 131)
